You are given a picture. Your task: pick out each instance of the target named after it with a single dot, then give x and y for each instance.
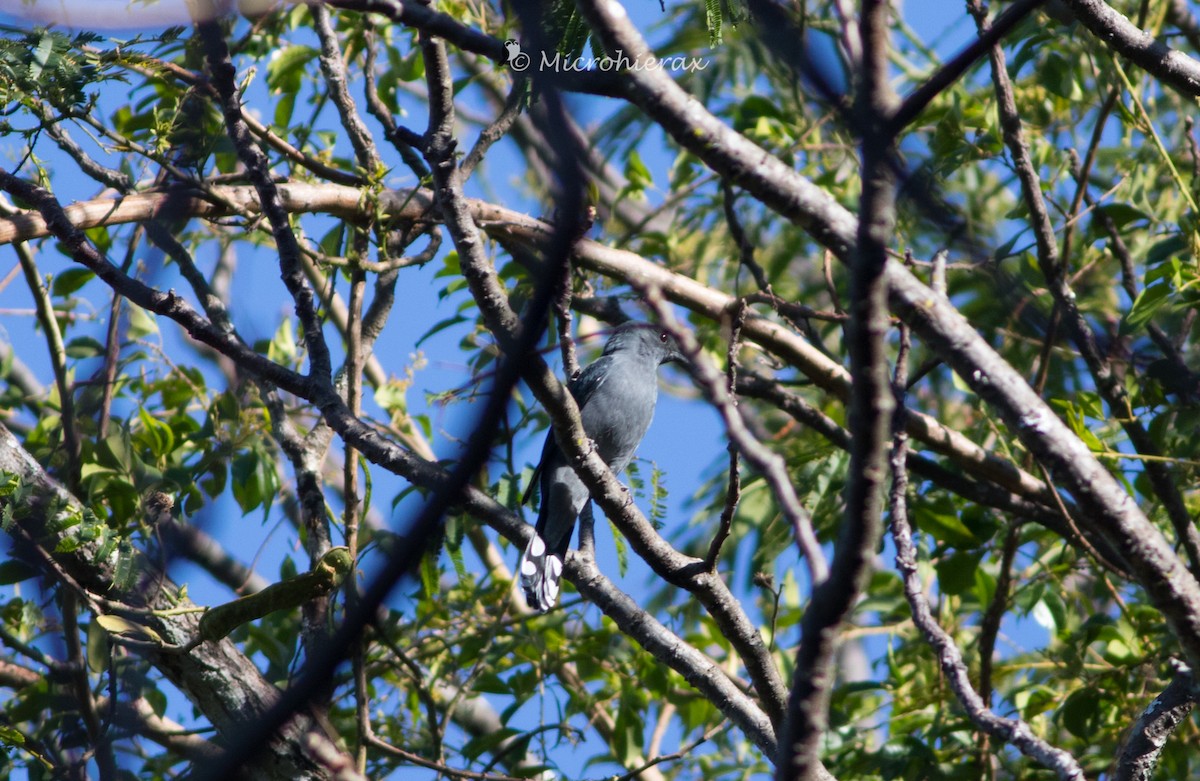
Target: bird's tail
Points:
(540, 571)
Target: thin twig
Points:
(498, 128)
(58, 360)
(734, 490)
(708, 735)
(1014, 731)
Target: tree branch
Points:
(1170, 66)
(510, 227)
(1104, 503)
(221, 67)
(949, 656)
(568, 429)
(1145, 743)
(770, 464)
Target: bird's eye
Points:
(663, 337)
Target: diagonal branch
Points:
(952, 71)
(1141, 751)
(498, 315)
(770, 464)
(696, 668)
(1170, 66)
(514, 228)
(1014, 731)
(1104, 507)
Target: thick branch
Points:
(387, 454)
(1164, 63)
(1107, 508)
(1141, 751)
(1053, 267)
(493, 303)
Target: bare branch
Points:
(334, 69)
(512, 227)
(1145, 743)
(733, 491)
(1171, 66)
(605, 489)
(258, 168)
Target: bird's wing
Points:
(582, 388)
(589, 380)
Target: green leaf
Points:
(125, 572)
(282, 347)
(284, 107)
(712, 20)
(1122, 214)
(84, 347)
(985, 586)
(121, 626)
(41, 56)
(1080, 713)
(412, 66)
(141, 324)
(97, 647)
(1173, 246)
(287, 67)
(622, 549)
(440, 326)
(157, 435)
(636, 172)
(429, 575)
(956, 573)
(1148, 302)
(15, 570)
(940, 518)
(70, 281)
(11, 737)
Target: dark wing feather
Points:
(582, 388)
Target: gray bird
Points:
(616, 396)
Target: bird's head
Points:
(645, 339)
